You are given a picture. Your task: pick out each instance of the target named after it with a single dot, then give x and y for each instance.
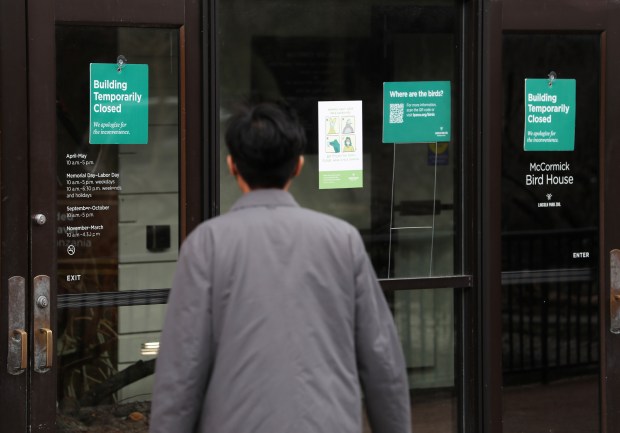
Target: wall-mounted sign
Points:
(341, 162)
(549, 115)
(416, 112)
(119, 104)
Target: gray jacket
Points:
(276, 323)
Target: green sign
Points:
(549, 115)
(416, 112)
(119, 104)
(341, 179)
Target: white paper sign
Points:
(341, 161)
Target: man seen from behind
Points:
(276, 322)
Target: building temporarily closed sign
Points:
(119, 103)
(549, 115)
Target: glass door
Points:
(555, 177)
(112, 151)
(550, 233)
(117, 209)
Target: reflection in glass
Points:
(409, 190)
(117, 219)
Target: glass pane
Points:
(426, 323)
(550, 244)
(427, 329)
(309, 52)
(117, 219)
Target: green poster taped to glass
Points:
(416, 112)
(119, 103)
(550, 107)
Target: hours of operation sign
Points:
(119, 103)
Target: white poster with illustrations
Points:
(340, 137)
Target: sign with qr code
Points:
(416, 112)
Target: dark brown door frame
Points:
(28, 159)
(489, 221)
(14, 195)
(41, 175)
(611, 213)
(499, 16)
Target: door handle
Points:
(17, 357)
(49, 345)
(43, 336)
(23, 347)
(614, 292)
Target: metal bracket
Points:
(552, 76)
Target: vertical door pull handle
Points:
(49, 346)
(17, 356)
(43, 338)
(23, 342)
(18, 353)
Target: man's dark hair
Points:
(265, 142)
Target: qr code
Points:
(396, 113)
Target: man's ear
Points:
(299, 166)
(232, 168)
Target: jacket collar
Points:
(264, 198)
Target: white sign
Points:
(341, 156)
